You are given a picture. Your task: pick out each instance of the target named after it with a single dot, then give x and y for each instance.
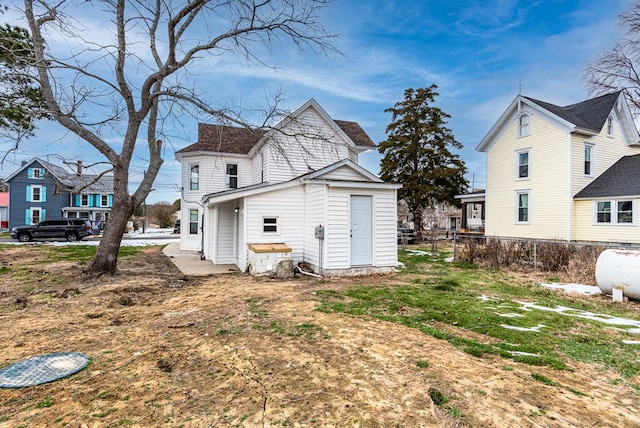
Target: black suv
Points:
(71, 229)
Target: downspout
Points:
(569, 187)
(201, 251)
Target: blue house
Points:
(40, 190)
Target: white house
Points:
(295, 190)
(564, 172)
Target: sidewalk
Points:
(189, 262)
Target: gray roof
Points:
(71, 181)
(590, 114)
(621, 179)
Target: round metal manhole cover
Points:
(42, 369)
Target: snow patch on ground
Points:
(587, 290)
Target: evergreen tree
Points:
(21, 101)
(417, 153)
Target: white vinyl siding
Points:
(337, 232)
(288, 206)
(316, 154)
(315, 215)
(227, 226)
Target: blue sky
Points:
(478, 53)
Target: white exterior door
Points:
(360, 230)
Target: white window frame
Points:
(517, 205)
(614, 212)
(524, 125)
(32, 216)
(194, 184)
(590, 149)
(84, 200)
(192, 222)
(610, 126)
(104, 200)
(38, 173)
(229, 176)
(267, 223)
(519, 153)
(33, 188)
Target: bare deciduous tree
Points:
(618, 68)
(123, 87)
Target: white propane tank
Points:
(619, 269)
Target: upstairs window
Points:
(35, 173)
(104, 200)
(36, 195)
(194, 178)
(523, 164)
(610, 126)
(84, 200)
(232, 176)
(588, 162)
(523, 125)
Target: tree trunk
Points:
(106, 258)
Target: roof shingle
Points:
(590, 114)
(621, 179)
(237, 140)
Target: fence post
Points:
(535, 256)
(455, 245)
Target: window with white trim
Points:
(603, 212)
(270, 224)
(193, 222)
(588, 159)
(523, 125)
(522, 199)
(84, 200)
(523, 164)
(194, 177)
(35, 215)
(232, 176)
(624, 210)
(36, 194)
(615, 212)
(104, 200)
(38, 173)
(610, 126)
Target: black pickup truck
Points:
(71, 229)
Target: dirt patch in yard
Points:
(233, 350)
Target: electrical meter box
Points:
(319, 232)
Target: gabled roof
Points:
(224, 139)
(621, 179)
(72, 182)
(355, 133)
(586, 117)
(589, 115)
(238, 140)
(369, 180)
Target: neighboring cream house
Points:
(563, 173)
(252, 198)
